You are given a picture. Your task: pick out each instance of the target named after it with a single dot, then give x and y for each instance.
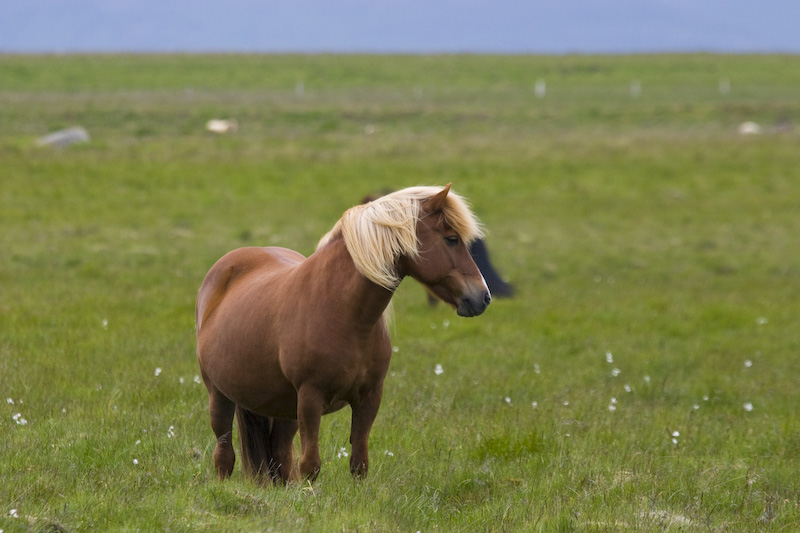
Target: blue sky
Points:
(401, 26)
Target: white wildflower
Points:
(507, 399)
(616, 372)
(536, 368)
(609, 357)
(17, 417)
(627, 388)
(158, 371)
(748, 406)
(342, 453)
(748, 363)
(387, 453)
(105, 323)
(762, 320)
(10, 401)
(136, 461)
(171, 432)
(197, 379)
(438, 370)
(13, 513)
(646, 378)
(534, 404)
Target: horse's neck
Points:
(361, 300)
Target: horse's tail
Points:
(254, 439)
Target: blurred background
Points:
(401, 26)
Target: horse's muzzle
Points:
(474, 304)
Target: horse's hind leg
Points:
(282, 436)
(222, 410)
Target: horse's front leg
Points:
(364, 413)
(310, 404)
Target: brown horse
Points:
(283, 340)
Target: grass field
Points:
(645, 377)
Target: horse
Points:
(283, 339)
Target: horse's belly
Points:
(270, 398)
(267, 396)
(335, 407)
(284, 407)
(250, 378)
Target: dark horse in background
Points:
(283, 340)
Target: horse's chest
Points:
(342, 370)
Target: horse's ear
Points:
(436, 202)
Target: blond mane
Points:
(379, 232)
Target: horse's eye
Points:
(451, 241)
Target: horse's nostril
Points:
(474, 304)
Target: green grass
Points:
(641, 227)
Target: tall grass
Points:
(644, 377)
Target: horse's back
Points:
(236, 267)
